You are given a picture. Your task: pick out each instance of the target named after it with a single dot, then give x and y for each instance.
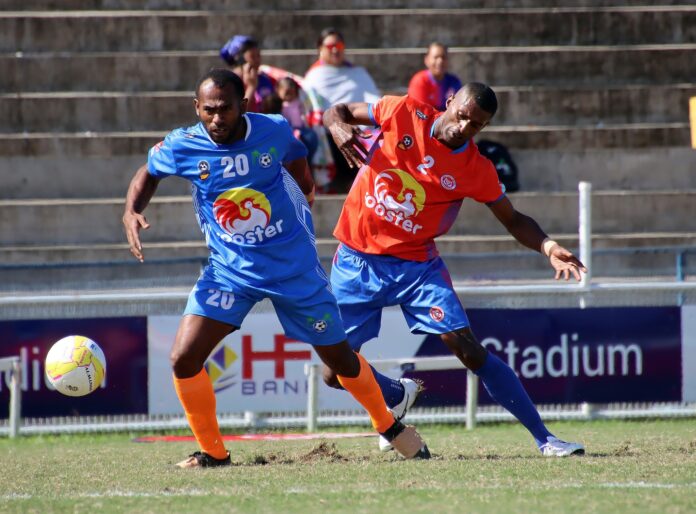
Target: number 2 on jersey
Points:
(237, 165)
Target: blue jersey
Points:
(255, 218)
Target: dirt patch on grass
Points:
(324, 452)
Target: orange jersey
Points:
(412, 187)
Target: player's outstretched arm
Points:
(529, 233)
(299, 169)
(140, 191)
(340, 120)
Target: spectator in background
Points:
(293, 110)
(243, 55)
(332, 80)
(434, 85)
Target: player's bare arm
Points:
(299, 169)
(140, 191)
(529, 233)
(341, 121)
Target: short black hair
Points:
(329, 31)
(288, 82)
(222, 77)
(437, 43)
(483, 95)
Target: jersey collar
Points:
(456, 150)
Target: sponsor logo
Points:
(448, 182)
(245, 216)
(220, 368)
(437, 313)
(397, 197)
(406, 142)
(421, 115)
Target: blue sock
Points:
(392, 390)
(505, 388)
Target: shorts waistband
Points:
(374, 256)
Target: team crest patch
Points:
(265, 160)
(421, 115)
(437, 313)
(203, 169)
(406, 142)
(448, 182)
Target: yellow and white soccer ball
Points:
(75, 365)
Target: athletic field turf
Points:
(629, 467)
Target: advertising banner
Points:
(561, 356)
(258, 369)
(622, 354)
(124, 342)
(689, 353)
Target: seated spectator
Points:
(329, 81)
(243, 55)
(434, 85)
(293, 110)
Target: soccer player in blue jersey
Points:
(251, 190)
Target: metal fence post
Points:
(471, 399)
(312, 372)
(585, 234)
(15, 398)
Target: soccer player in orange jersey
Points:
(409, 190)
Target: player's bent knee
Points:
(464, 344)
(185, 363)
(330, 378)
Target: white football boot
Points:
(554, 447)
(412, 388)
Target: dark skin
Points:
(221, 112)
(461, 121)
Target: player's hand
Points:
(565, 263)
(347, 139)
(250, 76)
(133, 222)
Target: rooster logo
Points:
(398, 191)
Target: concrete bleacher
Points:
(596, 90)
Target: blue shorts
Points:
(304, 304)
(364, 284)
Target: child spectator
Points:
(293, 111)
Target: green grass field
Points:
(647, 466)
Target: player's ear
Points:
(243, 105)
(195, 106)
(449, 101)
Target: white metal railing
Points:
(12, 365)
(313, 372)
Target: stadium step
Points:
(146, 30)
(58, 221)
(168, 265)
(392, 68)
(195, 250)
(107, 175)
(119, 111)
(224, 5)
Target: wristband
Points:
(547, 245)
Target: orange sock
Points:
(364, 388)
(198, 399)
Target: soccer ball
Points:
(75, 366)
